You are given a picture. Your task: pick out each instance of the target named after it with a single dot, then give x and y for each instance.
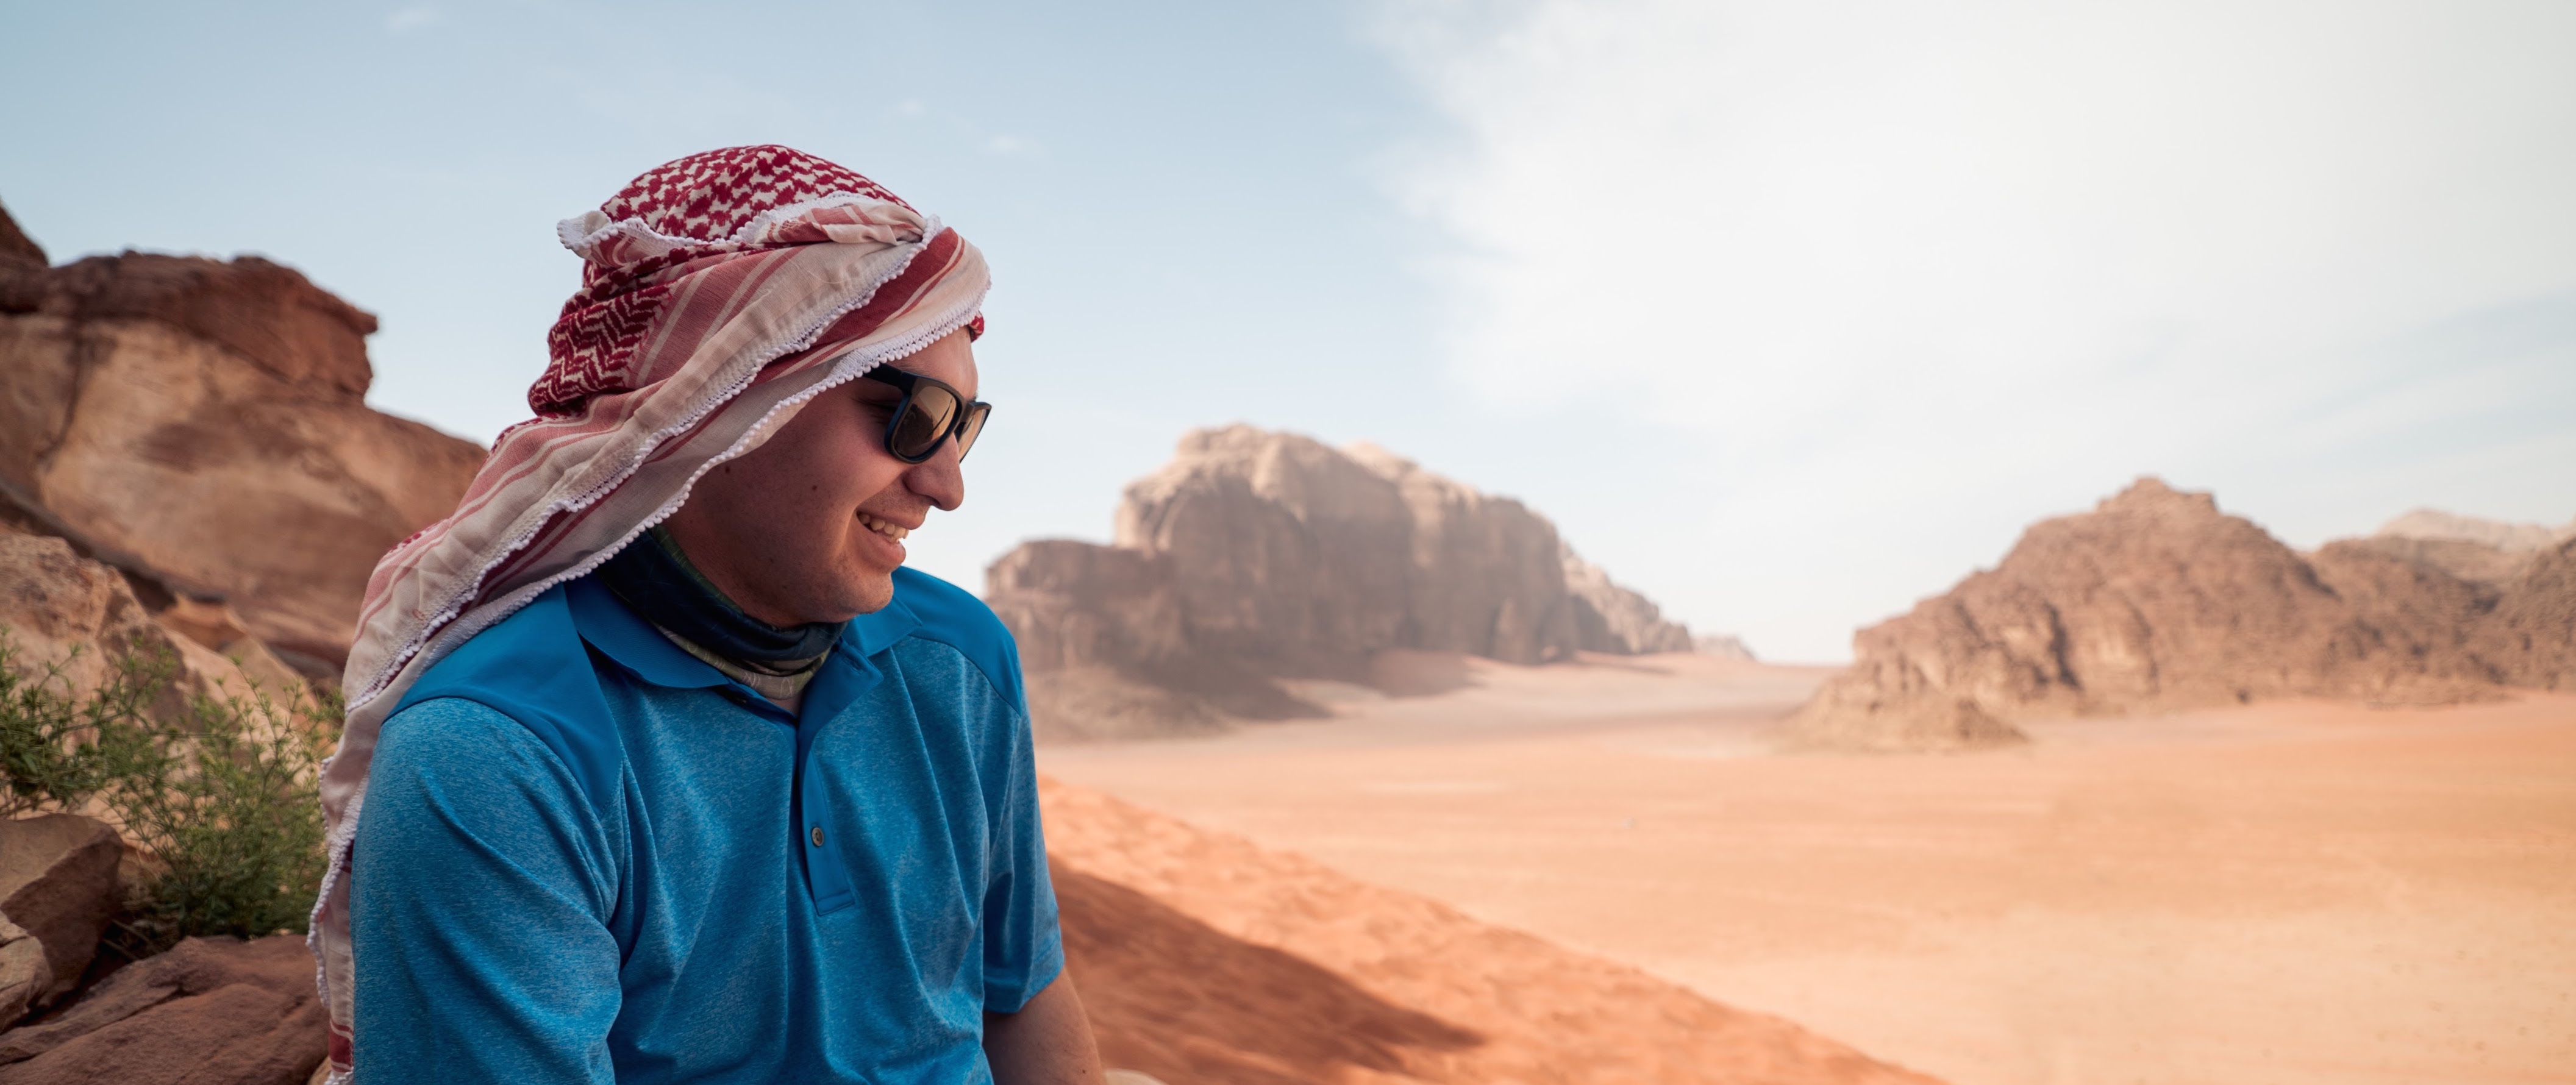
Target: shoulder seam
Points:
(977, 665)
(625, 769)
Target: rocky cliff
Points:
(1254, 556)
(2156, 600)
(204, 423)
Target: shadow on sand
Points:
(1178, 999)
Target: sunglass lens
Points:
(973, 426)
(918, 430)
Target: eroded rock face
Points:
(58, 884)
(1723, 647)
(26, 974)
(2157, 601)
(210, 1012)
(206, 419)
(2531, 635)
(71, 621)
(1610, 618)
(1256, 555)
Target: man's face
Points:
(804, 528)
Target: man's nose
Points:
(939, 478)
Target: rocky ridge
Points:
(1256, 556)
(2157, 601)
(202, 425)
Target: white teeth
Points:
(883, 528)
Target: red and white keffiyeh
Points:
(720, 293)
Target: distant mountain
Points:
(2436, 525)
(2156, 600)
(1257, 556)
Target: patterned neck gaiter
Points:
(655, 579)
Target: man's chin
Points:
(869, 593)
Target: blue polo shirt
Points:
(586, 856)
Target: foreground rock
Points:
(204, 421)
(57, 888)
(1256, 556)
(2157, 601)
(1204, 958)
(26, 974)
(210, 1012)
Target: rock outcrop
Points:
(1610, 618)
(203, 423)
(2158, 601)
(73, 621)
(210, 1012)
(26, 973)
(1255, 556)
(1723, 647)
(2530, 636)
(58, 885)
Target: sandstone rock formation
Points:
(2157, 601)
(1610, 618)
(2530, 636)
(203, 422)
(1723, 647)
(58, 884)
(72, 620)
(210, 1012)
(1255, 555)
(26, 974)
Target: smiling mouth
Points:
(883, 528)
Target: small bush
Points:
(58, 750)
(222, 794)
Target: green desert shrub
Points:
(220, 790)
(57, 750)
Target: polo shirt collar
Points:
(632, 642)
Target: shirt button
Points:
(816, 836)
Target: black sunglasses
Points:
(929, 412)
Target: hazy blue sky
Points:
(1789, 314)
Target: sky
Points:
(1788, 314)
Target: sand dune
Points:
(2286, 892)
(1205, 959)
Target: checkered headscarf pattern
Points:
(686, 211)
(708, 197)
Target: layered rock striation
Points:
(203, 423)
(1255, 556)
(2156, 600)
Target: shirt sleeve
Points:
(1023, 947)
(481, 888)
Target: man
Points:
(659, 767)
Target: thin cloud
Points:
(413, 18)
(1010, 146)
